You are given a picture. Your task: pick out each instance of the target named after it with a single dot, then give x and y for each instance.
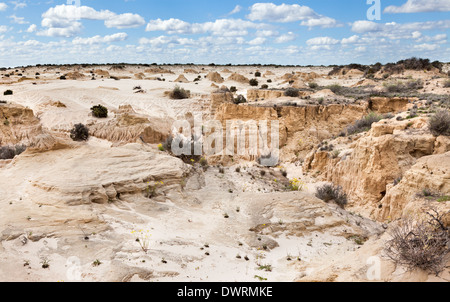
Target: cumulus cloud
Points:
(285, 13)
(223, 27)
(3, 29)
(322, 41)
(100, 40)
(427, 47)
(32, 28)
(64, 20)
(3, 6)
(236, 10)
(419, 6)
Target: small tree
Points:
(79, 133)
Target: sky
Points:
(303, 32)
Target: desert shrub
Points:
(203, 162)
(179, 93)
(420, 244)
(233, 89)
(400, 87)
(79, 133)
(240, 99)
(258, 74)
(364, 124)
(447, 84)
(269, 81)
(9, 152)
(253, 82)
(62, 78)
(100, 111)
(334, 193)
(8, 92)
(264, 86)
(313, 85)
(336, 88)
(291, 92)
(439, 123)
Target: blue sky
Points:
(316, 32)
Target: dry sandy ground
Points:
(267, 234)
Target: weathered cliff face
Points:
(301, 128)
(387, 105)
(18, 125)
(430, 172)
(367, 167)
(259, 94)
(128, 127)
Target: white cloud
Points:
(365, 26)
(18, 20)
(63, 20)
(3, 6)
(99, 39)
(222, 27)
(425, 46)
(236, 10)
(350, 40)
(32, 28)
(285, 13)
(3, 29)
(322, 41)
(125, 21)
(290, 36)
(419, 6)
(257, 41)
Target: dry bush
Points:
(179, 93)
(439, 123)
(9, 152)
(292, 92)
(364, 124)
(79, 133)
(329, 193)
(420, 244)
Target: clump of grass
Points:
(96, 263)
(99, 111)
(79, 133)
(439, 123)
(336, 88)
(313, 85)
(179, 93)
(364, 124)
(334, 193)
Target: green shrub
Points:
(313, 85)
(329, 193)
(79, 133)
(336, 88)
(439, 123)
(179, 93)
(254, 82)
(99, 111)
(233, 89)
(258, 74)
(291, 92)
(8, 92)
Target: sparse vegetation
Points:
(439, 123)
(8, 92)
(313, 85)
(422, 244)
(364, 124)
(79, 133)
(329, 193)
(99, 111)
(179, 93)
(258, 74)
(254, 82)
(9, 152)
(292, 92)
(240, 99)
(446, 84)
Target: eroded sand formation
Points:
(80, 206)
